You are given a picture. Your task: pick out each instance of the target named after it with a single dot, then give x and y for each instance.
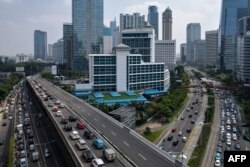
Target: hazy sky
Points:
(19, 18)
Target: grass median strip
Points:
(11, 153)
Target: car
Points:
(170, 138)
(64, 121)
(237, 146)
(190, 115)
(219, 144)
(184, 139)
(72, 118)
(219, 150)
(4, 124)
(228, 127)
(57, 102)
(46, 152)
(88, 134)
(1, 142)
(196, 112)
(32, 147)
(218, 156)
(98, 143)
(182, 117)
(61, 105)
(97, 162)
(87, 155)
(234, 136)
(173, 130)
(229, 142)
(68, 127)
(59, 113)
(217, 163)
(50, 105)
(175, 142)
(54, 109)
(180, 133)
(188, 130)
(74, 135)
(228, 122)
(80, 125)
(234, 129)
(192, 107)
(228, 136)
(22, 154)
(81, 144)
(192, 121)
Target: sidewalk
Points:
(194, 136)
(211, 145)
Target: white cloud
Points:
(10, 1)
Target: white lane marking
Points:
(113, 133)
(126, 143)
(95, 119)
(103, 126)
(143, 157)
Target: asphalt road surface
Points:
(137, 151)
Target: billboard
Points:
(19, 69)
(54, 70)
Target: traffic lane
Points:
(148, 151)
(97, 152)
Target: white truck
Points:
(109, 154)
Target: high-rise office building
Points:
(87, 17)
(231, 11)
(199, 48)
(183, 52)
(113, 29)
(57, 52)
(243, 50)
(212, 48)
(141, 41)
(40, 44)
(167, 24)
(165, 52)
(153, 19)
(68, 44)
(135, 20)
(116, 37)
(193, 34)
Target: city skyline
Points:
(50, 16)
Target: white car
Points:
(184, 139)
(229, 142)
(234, 136)
(228, 127)
(180, 133)
(59, 113)
(61, 105)
(228, 136)
(228, 122)
(81, 144)
(74, 135)
(217, 163)
(58, 102)
(97, 162)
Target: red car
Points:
(174, 129)
(80, 125)
(55, 109)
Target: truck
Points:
(109, 154)
(35, 156)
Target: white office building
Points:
(122, 71)
(21, 58)
(165, 51)
(107, 44)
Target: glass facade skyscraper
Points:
(231, 11)
(40, 44)
(153, 19)
(87, 17)
(67, 44)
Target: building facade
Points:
(153, 19)
(107, 44)
(87, 18)
(68, 45)
(183, 52)
(116, 37)
(212, 48)
(113, 29)
(193, 34)
(40, 44)
(231, 11)
(165, 51)
(199, 52)
(141, 41)
(21, 58)
(57, 52)
(243, 50)
(133, 21)
(167, 24)
(123, 71)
